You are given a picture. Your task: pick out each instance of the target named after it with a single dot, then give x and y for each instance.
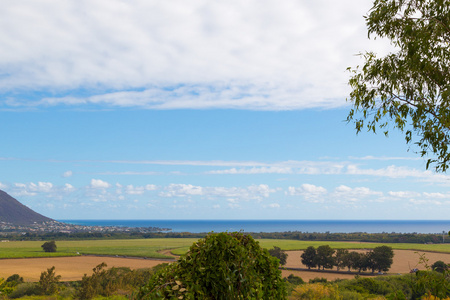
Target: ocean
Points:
(334, 226)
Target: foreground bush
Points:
(220, 266)
(315, 291)
(108, 282)
(25, 289)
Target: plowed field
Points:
(73, 268)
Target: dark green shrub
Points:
(295, 280)
(220, 266)
(439, 266)
(318, 280)
(15, 278)
(25, 289)
(398, 295)
(49, 246)
(373, 286)
(351, 295)
(397, 287)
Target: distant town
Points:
(59, 227)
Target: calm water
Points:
(195, 226)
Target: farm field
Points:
(126, 247)
(404, 261)
(73, 268)
(70, 268)
(290, 245)
(154, 248)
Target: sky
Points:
(198, 109)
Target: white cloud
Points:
(3, 186)
(345, 193)
(67, 174)
(383, 158)
(181, 190)
(399, 172)
(273, 205)
(45, 189)
(437, 195)
(426, 202)
(128, 173)
(32, 189)
(309, 192)
(41, 187)
(99, 184)
(139, 190)
(262, 190)
(261, 170)
(68, 187)
(286, 167)
(233, 203)
(267, 55)
(253, 192)
(403, 194)
(417, 197)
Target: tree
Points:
(411, 87)
(308, 257)
(280, 254)
(90, 286)
(357, 261)
(347, 260)
(381, 258)
(324, 257)
(49, 246)
(220, 266)
(439, 266)
(341, 258)
(49, 281)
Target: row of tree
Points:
(383, 237)
(379, 259)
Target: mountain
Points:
(14, 212)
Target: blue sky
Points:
(197, 110)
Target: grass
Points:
(132, 247)
(179, 246)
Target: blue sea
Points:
(344, 226)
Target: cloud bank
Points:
(199, 54)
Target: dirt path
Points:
(168, 252)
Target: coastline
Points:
(312, 226)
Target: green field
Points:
(150, 247)
(132, 247)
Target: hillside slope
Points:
(14, 212)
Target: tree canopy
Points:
(49, 246)
(410, 88)
(280, 254)
(308, 257)
(220, 266)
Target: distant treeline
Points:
(384, 237)
(294, 235)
